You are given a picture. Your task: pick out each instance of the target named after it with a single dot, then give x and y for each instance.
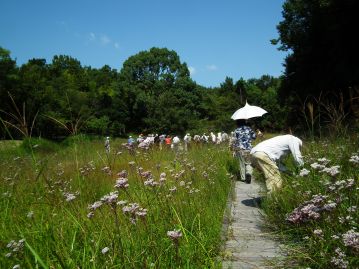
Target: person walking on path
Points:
(267, 156)
(243, 137)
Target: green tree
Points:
(150, 82)
(323, 57)
(8, 84)
(70, 93)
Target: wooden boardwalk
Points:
(247, 245)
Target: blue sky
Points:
(215, 38)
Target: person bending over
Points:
(267, 156)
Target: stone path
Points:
(247, 244)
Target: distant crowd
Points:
(175, 142)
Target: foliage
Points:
(153, 92)
(322, 53)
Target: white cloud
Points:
(192, 70)
(211, 67)
(101, 39)
(92, 36)
(105, 40)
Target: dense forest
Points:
(153, 91)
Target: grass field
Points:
(74, 206)
(316, 212)
(71, 205)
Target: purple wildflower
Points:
(69, 196)
(332, 171)
(317, 166)
(121, 183)
(110, 198)
(351, 239)
(95, 205)
(123, 173)
(174, 235)
(339, 260)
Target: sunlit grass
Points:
(46, 194)
(317, 212)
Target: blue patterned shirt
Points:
(244, 136)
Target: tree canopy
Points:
(323, 57)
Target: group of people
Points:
(175, 142)
(267, 155)
(161, 140)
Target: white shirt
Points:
(279, 146)
(187, 138)
(175, 140)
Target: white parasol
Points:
(248, 112)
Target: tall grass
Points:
(169, 215)
(317, 210)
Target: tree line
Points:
(153, 91)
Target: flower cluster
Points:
(70, 196)
(107, 170)
(332, 171)
(146, 174)
(179, 174)
(109, 199)
(15, 247)
(338, 260)
(121, 183)
(87, 168)
(304, 172)
(354, 159)
(340, 184)
(310, 210)
(162, 177)
(174, 235)
(134, 211)
(321, 166)
(318, 233)
(151, 182)
(351, 239)
(123, 173)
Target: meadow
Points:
(316, 212)
(73, 205)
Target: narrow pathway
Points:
(248, 246)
